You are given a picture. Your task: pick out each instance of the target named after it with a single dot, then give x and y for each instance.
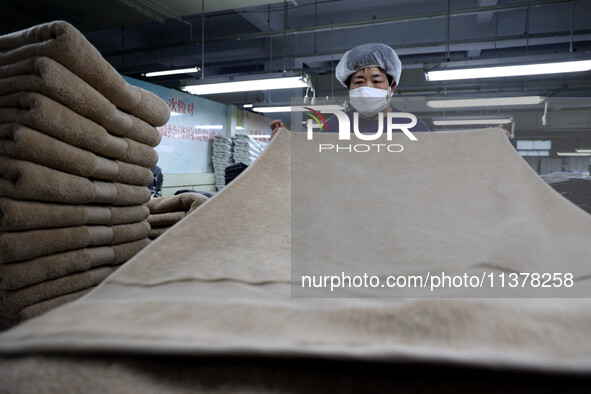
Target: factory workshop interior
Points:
(268, 196)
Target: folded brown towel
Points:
(10, 319)
(21, 142)
(27, 273)
(50, 117)
(186, 202)
(21, 179)
(13, 301)
(165, 219)
(155, 232)
(17, 215)
(46, 76)
(62, 42)
(25, 245)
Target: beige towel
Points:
(40, 308)
(62, 42)
(46, 76)
(21, 179)
(186, 202)
(155, 232)
(211, 286)
(161, 222)
(49, 117)
(165, 219)
(13, 301)
(25, 245)
(21, 142)
(41, 269)
(16, 215)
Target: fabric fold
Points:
(21, 142)
(17, 215)
(16, 300)
(10, 319)
(46, 76)
(54, 119)
(27, 273)
(62, 42)
(186, 202)
(165, 219)
(24, 245)
(21, 179)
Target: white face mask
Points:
(369, 101)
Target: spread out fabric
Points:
(211, 286)
(165, 212)
(75, 159)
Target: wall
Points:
(186, 147)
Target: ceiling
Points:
(236, 37)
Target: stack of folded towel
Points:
(221, 158)
(75, 159)
(246, 149)
(165, 212)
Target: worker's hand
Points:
(275, 125)
(507, 132)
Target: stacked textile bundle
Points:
(165, 212)
(221, 158)
(574, 187)
(75, 159)
(246, 149)
(233, 170)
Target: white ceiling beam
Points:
(486, 17)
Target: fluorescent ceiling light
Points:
(573, 154)
(239, 128)
(248, 106)
(289, 108)
(459, 122)
(171, 72)
(267, 110)
(583, 150)
(247, 86)
(485, 102)
(209, 126)
(509, 71)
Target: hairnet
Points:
(366, 55)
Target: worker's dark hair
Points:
(348, 80)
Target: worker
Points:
(370, 72)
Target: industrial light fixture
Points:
(583, 150)
(248, 106)
(172, 72)
(460, 122)
(573, 153)
(252, 83)
(485, 102)
(291, 108)
(209, 126)
(509, 71)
